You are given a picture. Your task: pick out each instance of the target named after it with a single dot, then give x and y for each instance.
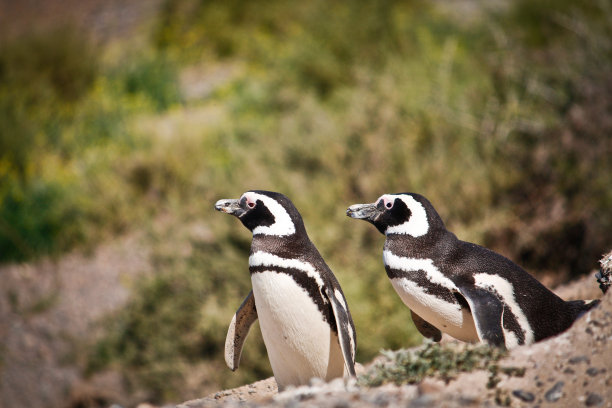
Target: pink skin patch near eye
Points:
(250, 201)
(387, 201)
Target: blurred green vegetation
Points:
(63, 133)
(502, 119)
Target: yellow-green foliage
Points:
(331, 104)
(63, 132)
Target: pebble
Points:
(593, 400)
(579, 359)
(524, 395)
(381, 400)
(592, 371)
(555, 392)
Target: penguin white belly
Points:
(299, 342)
(448, 317)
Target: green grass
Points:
(501, 123)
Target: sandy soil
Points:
(48, 308)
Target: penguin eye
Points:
(389, 205)
(251, 204)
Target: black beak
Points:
(229, 206)
(368, 212)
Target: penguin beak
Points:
(229, 206)
(367, 212)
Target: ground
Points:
(48, 308)
(573, 369)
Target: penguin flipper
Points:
(487, 312)
(238, 330)
(346, 334)
(425, 328)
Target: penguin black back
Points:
(424, 259)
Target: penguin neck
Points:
(435, 243)
(286, 246)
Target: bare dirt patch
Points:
(47, 308)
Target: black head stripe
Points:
(397, 215)
(260, 216)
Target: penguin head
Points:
(264, 213)
(403, 213)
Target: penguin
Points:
(460, 288)
(305, 321)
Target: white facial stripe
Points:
(417, 225)
(282, 225)
(261, 258)
(506, 291)
(415, 264)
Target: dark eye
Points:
(389, 204)
(251, 204)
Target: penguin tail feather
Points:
(580, 307)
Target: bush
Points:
(153, 76)
(62, 129)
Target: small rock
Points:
(593, 400)
(467, 401)
(306, 396)
(579, 359)
(337, 384)
(316, 382)
(381, 400)
(568, 371)
(592, 371)
(555, 392)
(524, 395)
